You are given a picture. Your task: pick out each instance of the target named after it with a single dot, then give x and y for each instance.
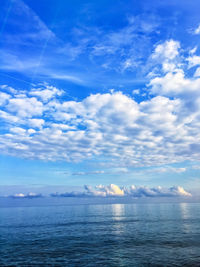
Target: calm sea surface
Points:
(101, 235)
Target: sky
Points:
(98, 93)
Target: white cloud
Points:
(29, 195)
(154, 132)
(71, 78)
(63, 127)
(166, 169)
(174, 84)
(136, 92)
(167, 51)
(197, 73)
(193, 50)
(113, 190)
(167, 55)
(197, 30)
(17, 130)
(3, 98)
(31, 131)
(36, 123)
(193, 61)
(104, 191)
(184, 88)
(25, 107)
(88, 172)
(8, 117)
(46, 93)
(161, 130)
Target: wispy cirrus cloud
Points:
(89, 172)
(40, 53)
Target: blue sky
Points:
(99, 92)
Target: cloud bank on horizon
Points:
(113, 190)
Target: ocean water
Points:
(101, 235)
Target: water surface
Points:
(101, 235)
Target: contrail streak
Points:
(43, 49)
(6, 17)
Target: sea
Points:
(137, 234)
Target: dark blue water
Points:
(101, 235)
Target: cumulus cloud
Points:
(113, 190)
(167, 54)
(29, 195)
(162, 129)
(101, 190)
(45, 93)
(25, 106)
(155, 131)
(3, 98)
(36, 123)
(167, 50)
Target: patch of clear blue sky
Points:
(64, 43)
(35, 173)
